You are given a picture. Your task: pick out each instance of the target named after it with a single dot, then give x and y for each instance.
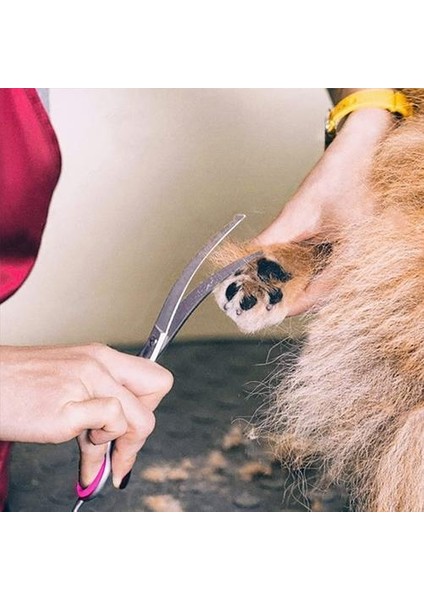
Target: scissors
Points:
(174, 313)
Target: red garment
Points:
(30, 164)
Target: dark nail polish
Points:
(125, 481)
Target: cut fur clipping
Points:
(353, 404)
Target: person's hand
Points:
(333, 196)
(54, 394)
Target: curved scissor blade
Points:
(167, 313)
(192, 301)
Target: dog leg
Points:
(260, 294)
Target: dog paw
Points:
(254, 297)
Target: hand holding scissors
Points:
(174, 313)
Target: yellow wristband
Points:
(391, 100)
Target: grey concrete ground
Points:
(198, 458)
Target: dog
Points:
(353, 404)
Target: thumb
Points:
(295, 223)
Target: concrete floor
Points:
(198, 458)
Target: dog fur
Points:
(353, 405)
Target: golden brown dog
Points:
(354, 402)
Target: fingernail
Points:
(125, 481)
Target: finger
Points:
(137, 425)
(295, 223)
(104, 414)
(96, 422)
(313, 297)
(152, 401)
(127, 447)
(279, 232)
(139, 385)
(91, 458)
(139, 420)
(140, 376)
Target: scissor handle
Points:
(85, 494)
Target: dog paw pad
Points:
(231, 290)
(248, 302)
(253, 296)
(269, 270)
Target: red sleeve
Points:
(30, 164)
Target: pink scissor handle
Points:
(95, 487)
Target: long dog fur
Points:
(354, 402)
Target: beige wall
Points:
(148, 175)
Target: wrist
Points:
(350, 153)
(390, 100)
(355, 145)
(368, 123)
